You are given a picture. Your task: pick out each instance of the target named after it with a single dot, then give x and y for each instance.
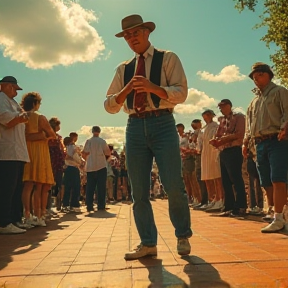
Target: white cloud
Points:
(228, 74)
(112, 135)
(197, 101)
(45, 33)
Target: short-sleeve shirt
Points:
(12, 140)
(98, 149)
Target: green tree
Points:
(275, 19)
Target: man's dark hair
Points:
(73, 134)
(196, 121)
(96, 129)
(67, 141)
(180, 125)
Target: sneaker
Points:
(269, 217)
(32, 220)
(23, 225)
(141, 251)
(183, 246)
(40, 222)
(218, 205)
(223, 214)
(194, 203)
(65, 209)
(256, 211)
(197, 207)
(75, 209)
(203, 207)
(11, 229)
(275, 226)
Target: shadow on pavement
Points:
(159, 276)
(17, 244)
(202, 274)
(101, 214)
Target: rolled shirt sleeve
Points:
(6, 113)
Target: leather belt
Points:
(259, 139)
(152, 113)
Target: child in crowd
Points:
(72, 174)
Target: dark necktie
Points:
(141, 97)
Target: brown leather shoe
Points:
(141, 251)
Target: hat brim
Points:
(149, 25)
(261, 70)
(17, 86)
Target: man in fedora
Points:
(148, 87)
(13, 156)
(266, 124)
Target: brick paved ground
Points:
(76, 250)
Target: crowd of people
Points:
(204, 167)
(40, 168)
(212, 156)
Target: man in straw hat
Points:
(13, 156)
(148, 87)
(266, 124)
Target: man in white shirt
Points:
(96, 151)
(149, 94)
(13, 156)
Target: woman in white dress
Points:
(210, 164)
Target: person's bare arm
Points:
(45, 126)
(21, 118)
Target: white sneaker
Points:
(11, 229)
(32, 220)
(218, 205)
(23, 225)
(41, 222)
(75, 209)
(208, 206)
(275, 226)
(194, 203)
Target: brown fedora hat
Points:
(133, 21)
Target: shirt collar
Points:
(149, 51)
(267, 89)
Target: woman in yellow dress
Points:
(38, 173)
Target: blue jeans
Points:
(231, 161)
(272, 161)
(71, 187)
(255, 192)
(157, 137)
(96, 180)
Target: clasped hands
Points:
(141, 84)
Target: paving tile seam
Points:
(110, 240)
(56, 247)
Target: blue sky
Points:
(207, 35)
